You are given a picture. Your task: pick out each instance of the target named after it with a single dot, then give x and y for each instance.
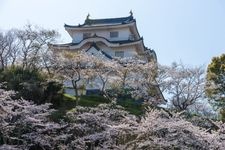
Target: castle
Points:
(113, 37)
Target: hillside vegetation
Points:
(127, 111)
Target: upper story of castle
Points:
(113, 37)
(112, 29)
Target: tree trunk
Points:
(74, 83)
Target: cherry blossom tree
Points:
(147, 85)
(71, 67)
(9, 48)
(139, 77)
(19, 117)
(25, 125)
(184, 85)
(102, 71)
(25, 47)
(33, 42)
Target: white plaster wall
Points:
(129, 51)
(77, 36)
(124, 34)
(107, 50)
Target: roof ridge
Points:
(96, 36)
(94, 44)
(128, 17)
(108, 20)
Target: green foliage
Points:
(222, 115)
(26, 82)
(215, 87)
(92, 100)
(125, 100)
(53, 92)
(131, 106)
(69, 102)
(1, 138)
(68, 97)
(14, 76)
(31, 85)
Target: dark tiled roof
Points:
(125, 41)
(97, 48)
(95, 36)
(66, 44)
(152, 51)
(108, 21)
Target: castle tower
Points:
(114, 37)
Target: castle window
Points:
(119, 54)
(86, 35)
(114, 34)
(132, 37)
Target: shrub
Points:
(31, 85)
(25, 125)
(14, 76)
(53, 92)
(222, 115)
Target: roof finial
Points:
(131, 13)
(88, 16)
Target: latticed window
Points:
(114, 34)
(86, 35)
(132, 37)
(119, 54)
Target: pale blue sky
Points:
(192, 31)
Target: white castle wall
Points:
(129, 51)
(124, 34)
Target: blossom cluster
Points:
(24, 125)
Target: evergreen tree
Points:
(215, 87)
